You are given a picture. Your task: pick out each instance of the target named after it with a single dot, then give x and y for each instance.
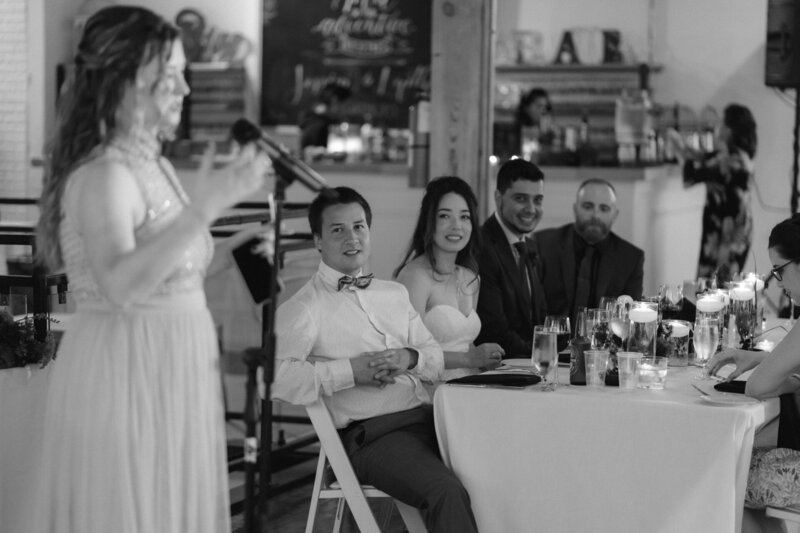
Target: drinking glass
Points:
(670, 299)
(598, 329)
(559, 324)
(596, 368)
(607, 303)
(544, 356)
(706, 341)
(643, 323)
(653, 373)
(629, 369)
(711, 306)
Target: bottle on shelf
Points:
(366, 132)
(583, 130)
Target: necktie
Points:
(583, 284)
(359, 282)
(522, 263)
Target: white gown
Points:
(454, 331)
(134, 426)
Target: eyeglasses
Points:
(777, 270)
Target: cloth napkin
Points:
(505, 379)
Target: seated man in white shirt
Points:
(359, 344)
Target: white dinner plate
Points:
(728, 399)
(518, 363)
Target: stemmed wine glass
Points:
(706, 341)
(619, 322)
(545, 357)
(559, 324)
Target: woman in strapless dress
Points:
(440, 273)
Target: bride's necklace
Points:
(456, 275)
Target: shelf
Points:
(621, 68)
(576, 91)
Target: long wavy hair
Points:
(116, 42)
(743, 128)
(422, 239)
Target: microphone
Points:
(286, 165)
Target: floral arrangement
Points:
(19, 346)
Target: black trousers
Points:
(401, 458)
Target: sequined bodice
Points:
(164, 200)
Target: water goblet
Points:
(706, 341)
(607, 303)
(560, 325)
(598, 328)
(544, 356)
(619, 323)
(670, 299)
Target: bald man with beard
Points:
(584, 261)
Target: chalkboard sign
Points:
(379, 49)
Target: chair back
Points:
(340, 464)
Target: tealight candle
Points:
(643, 314)
(752, 279)
(742, 293)
(708, 304)
(679, 329)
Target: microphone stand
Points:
(256, 511)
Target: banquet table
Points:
(600, 460)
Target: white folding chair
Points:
(789, 515)
(347, 489)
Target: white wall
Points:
(552, 17)
(712, 52)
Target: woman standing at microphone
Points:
(134, 429)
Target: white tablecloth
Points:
(603, 460)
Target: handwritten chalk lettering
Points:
(365, 8)
(338, 34)
(419, 77)
(379, 49)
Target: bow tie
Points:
(359, 282)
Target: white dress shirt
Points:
(320, 328)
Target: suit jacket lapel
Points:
(568, 270)
(509, 263)
(537, 306)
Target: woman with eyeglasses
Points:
(774, 478)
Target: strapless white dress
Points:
(454, 331)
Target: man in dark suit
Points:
(585, 261)
(511, 297)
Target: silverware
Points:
(701, 391)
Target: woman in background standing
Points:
(134, 436)
(534, 124)
(440, 273)
(727, 220)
